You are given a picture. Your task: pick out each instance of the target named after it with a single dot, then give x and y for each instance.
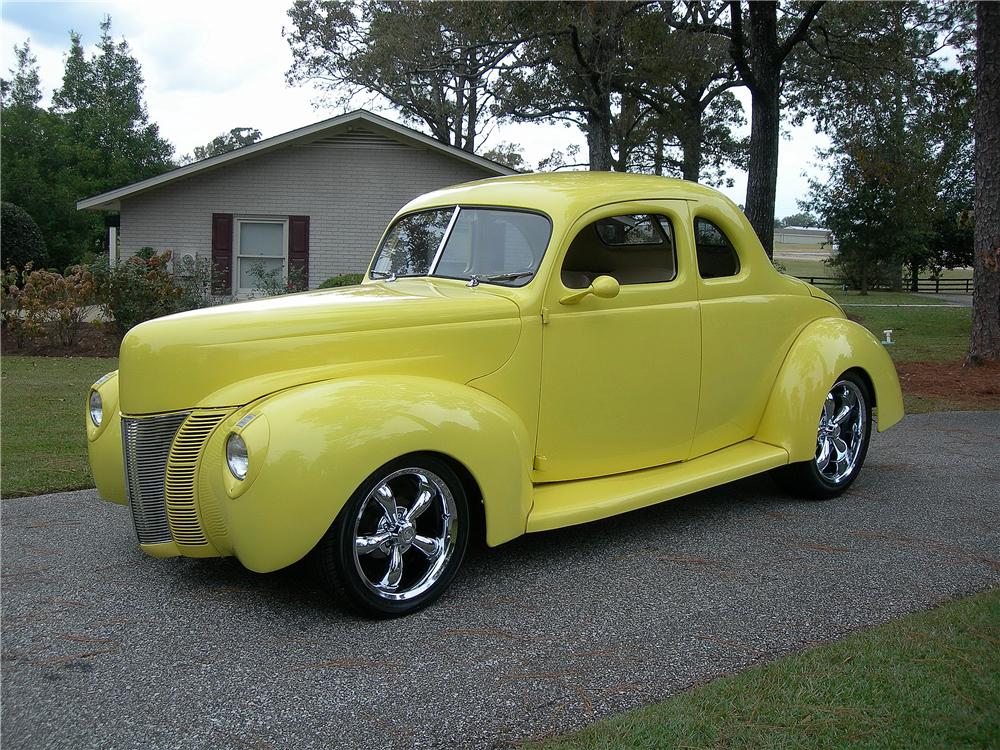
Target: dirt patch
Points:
(952, 383)
(94, 340)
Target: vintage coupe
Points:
(525, 353)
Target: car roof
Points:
(564, 192)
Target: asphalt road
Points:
(106, 648)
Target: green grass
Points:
(932, 334)
(883, 298)
(44, 438)
(931, 680)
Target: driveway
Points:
(106, 648)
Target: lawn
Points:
(931, 680)
(44, 442)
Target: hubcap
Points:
(841, 432)
(404, 534)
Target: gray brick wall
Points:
(349, 191)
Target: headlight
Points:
(96, 408)
(237, 457)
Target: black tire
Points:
(806, 479)
(365, 518)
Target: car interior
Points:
(633, 249)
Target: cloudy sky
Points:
(214, 65)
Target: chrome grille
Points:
(146, 446)
(182, 465)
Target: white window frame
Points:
(238, 221)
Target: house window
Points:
(260, 242)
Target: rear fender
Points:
(823, 351)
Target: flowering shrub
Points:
(270, 283)
(12, 303)
(56, 304)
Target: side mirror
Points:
(605, 287)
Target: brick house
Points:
(317, 198)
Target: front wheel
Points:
(842, 438)
(400, 539)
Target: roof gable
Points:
(358, 128)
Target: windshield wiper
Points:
(389, 275)
(476, 278)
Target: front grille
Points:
(182, 465)
(146, 446)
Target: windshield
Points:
(492, 245)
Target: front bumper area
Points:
(154, 464)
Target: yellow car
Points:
(524, 353)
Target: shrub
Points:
(345, 279)
(56, 304)
(21, 238)
(12, 303)
(144, 287)
(270, 283)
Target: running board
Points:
(567, 503)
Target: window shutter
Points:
(298, 245)
(222, 253)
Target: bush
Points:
(56, 304)
(21, 238)
(143, 287)
(346, 279)
(270, 283)
(12, 303)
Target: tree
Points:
(102, 100)
(32, 159)
(570, 69)
(802, 219)
(96, 137)
(985, 338)
(20, 238)
(685, 78)
(434, 62)
(761, 37)
(222, 144)
(509, 154)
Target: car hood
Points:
(233, 354)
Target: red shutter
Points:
(222, 253)
(298, 245)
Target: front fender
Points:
(323, 440)
(824, 350)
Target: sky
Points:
(214, 65)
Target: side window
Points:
(716, 255)
(632, 248)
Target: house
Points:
(803, 236)
(317, 198)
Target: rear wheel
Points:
(842, 437)
(400, 539)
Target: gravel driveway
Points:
(104, 647)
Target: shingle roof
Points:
(110, 200)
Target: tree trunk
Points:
(914, 274)
(762, 177)
(985, 341)
(863, 282)
(599, 143)
(471, 119)
(691, 138)
(658, 153)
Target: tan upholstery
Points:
(588, 257)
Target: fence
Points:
(927, 286)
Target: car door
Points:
(620, 376)
(747, 327)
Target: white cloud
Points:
(211, 66)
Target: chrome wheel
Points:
(842, 432)
(405, 533)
